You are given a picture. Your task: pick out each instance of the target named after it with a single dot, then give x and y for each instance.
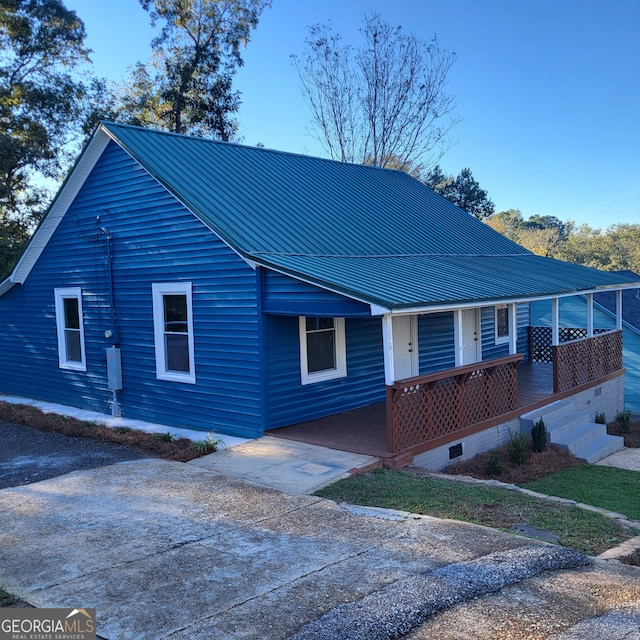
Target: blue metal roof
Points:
(374, 234)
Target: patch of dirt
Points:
(537, 465)
(632, 437)
(179, 449)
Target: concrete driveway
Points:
(172, 551)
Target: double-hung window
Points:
(502, 324)
(70, 329)
(173, 331)
(322, 349)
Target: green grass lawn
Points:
(600, 486)
(494, 507)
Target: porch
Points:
(424, 412)
(364, 430)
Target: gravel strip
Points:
(402, 606)
(28, 455)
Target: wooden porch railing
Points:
(540, 340)
(428, 407)
(582, 361)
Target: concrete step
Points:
(556, 412)
(579, 437)
(574, 431)
(567, 425)
(559, 406)
(599, 448)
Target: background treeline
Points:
(616, 248)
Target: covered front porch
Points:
(424, 412)
(364, 430)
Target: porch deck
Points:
(365, 430)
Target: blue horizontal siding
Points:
(284, 295)
(436, 345)
(290, 402)
(492, 350)
(155, 239)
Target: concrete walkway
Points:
(296, 467)
(624, 459)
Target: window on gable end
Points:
(70, 328)
(322, 349)
(173, 331)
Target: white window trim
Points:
(60, 295)
(340, 370)
(159, 290)
(502, 339)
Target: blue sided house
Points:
(215, 286)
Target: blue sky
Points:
(548, 90)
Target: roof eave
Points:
(409, 309)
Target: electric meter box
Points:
(114, 369)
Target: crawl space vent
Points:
(455, 451)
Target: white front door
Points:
(471, 345)
(405, 347)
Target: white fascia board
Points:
(57, 210)
(377, 310)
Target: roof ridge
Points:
(389, 255)
(228, 143)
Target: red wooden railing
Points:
(429, 407)
(582, 361)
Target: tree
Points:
(381, 103)
(464, 191)
(41, 43)
(615, 249)
(543, 241)
(508, 223)
(537, 221)
(187, 87)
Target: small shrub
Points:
(493, 465)
(518, 447)
(121, 431)
(623, 418)
(539, 436)
(163, 437)
(208, 445)
(600, 418)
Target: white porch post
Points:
(589, 315)
(387, 347)
(458, 337)
(513, 328)
(555, 322)
(619, 309)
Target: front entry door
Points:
(471, 345)
(405, 347)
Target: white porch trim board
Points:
(590, 315)
(387, 347)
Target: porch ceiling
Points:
(414, 281)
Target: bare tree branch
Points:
(384, 103)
